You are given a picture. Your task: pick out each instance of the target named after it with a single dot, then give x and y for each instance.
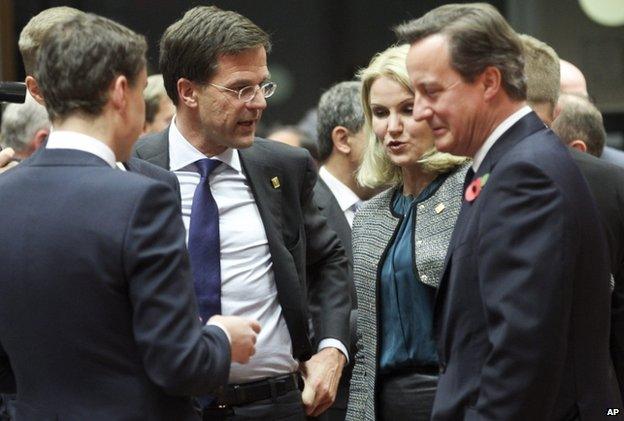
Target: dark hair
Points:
(479, 37)
(79, 59)
(340, 105)
(580, 119)
(190, 47)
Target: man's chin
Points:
(245, 141)
(445, 144)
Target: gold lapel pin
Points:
(439, 207)
(276, 183)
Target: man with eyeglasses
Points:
(252, 226)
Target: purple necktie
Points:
(203, 244)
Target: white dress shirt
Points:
(496, 134)
(65, 139)
(247, 281)
(348, 201)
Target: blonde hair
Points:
(377, 170)
(542, 70)
(34, 32)
(152, 94)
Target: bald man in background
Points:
(605, 180)
(573, 82)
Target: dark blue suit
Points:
(98, 318)
(522, 315)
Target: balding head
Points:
(572, 79)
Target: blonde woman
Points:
(400, 239)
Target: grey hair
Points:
(152, 94)
(20, 122)
(580, 119)
(340, 105)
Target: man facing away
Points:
(24, 127)
(97, 315)
(248, 207)
(522, 315)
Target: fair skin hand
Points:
(321, 375)
(5, 159)
(243, 335)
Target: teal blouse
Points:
(406, 304)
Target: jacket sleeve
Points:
(178, 353)
(329, 289)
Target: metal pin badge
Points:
(439, 207)
(276, 183)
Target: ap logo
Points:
(613, 411)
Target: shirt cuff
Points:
(220, 326)
(334, 343)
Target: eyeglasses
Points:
(248, 93)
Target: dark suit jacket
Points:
(98, 318)
(329, 207)
(606, 182)
(142, 167)
(297, 234)
(522, 316)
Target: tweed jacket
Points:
(374, 229)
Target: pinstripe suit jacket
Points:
(373, 232)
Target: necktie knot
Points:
(206, 166)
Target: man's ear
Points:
(340, 138)
(578, 144)
(491, 78)
(33, 88)
(39, 137)
(187, 92)
(117, 92)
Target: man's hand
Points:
(321, 375)
(5, 159)
(242, 334)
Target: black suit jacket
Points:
(297, 233)
(98, 318)
(522, 316)
(329, 207)
(142, 167)
(606, 182)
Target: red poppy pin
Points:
(474, 188)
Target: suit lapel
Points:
(268, 197)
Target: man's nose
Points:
(421, 110)
(258, 102)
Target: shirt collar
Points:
(496, 134)
(183, 155)
(344, 195)
(65, 139)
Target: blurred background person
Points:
(400, 239)
(580, 125)
(24, 127)
(541, 66)
(572, 81)
(159, 109)
(293, 136)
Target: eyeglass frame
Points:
(256, 89)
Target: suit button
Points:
(419, 242)
(421, 207)
(424, 278)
